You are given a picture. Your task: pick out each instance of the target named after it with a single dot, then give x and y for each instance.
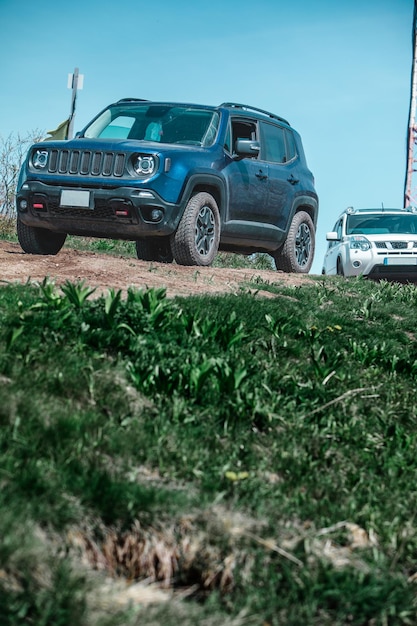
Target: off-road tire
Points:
(154, 249)
(297, 253)
(35, 240)
(197, 237)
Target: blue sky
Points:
(338, 71)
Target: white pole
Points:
(409, 194)
(73, 101)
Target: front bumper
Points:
(378, 264)
(119, 212)
(400, 269)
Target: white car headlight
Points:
(359, 243)
(40, 159)
(144, 165)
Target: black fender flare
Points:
(306, 203)
(210, 183)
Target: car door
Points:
(279, 151)
(333, 249)
(247, 178)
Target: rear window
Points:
(278, 145)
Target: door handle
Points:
(292, 180)
(261, 175)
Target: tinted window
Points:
(273, 144)
(291, 150)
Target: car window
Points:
(191, 127)
(243, 129)
(120, 127)
(337, 229)
(159, 122)
(381, 224)
(273, 143)
(291, 149)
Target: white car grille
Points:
(396, 247)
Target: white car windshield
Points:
(405, 224)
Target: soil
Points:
(104, 271)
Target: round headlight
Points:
(40, 159)
(144, 165)
(359, 243)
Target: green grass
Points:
(256, 457)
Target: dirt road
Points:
(103, 272)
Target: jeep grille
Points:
(86, 162)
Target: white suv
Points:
(377, 243)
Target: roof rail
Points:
(236, 105)
(132, 100)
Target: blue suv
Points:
(180, 180)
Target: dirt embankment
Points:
(104, 272)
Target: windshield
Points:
(156, 122)
(405, 224)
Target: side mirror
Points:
(247, 148)
(333, 236)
